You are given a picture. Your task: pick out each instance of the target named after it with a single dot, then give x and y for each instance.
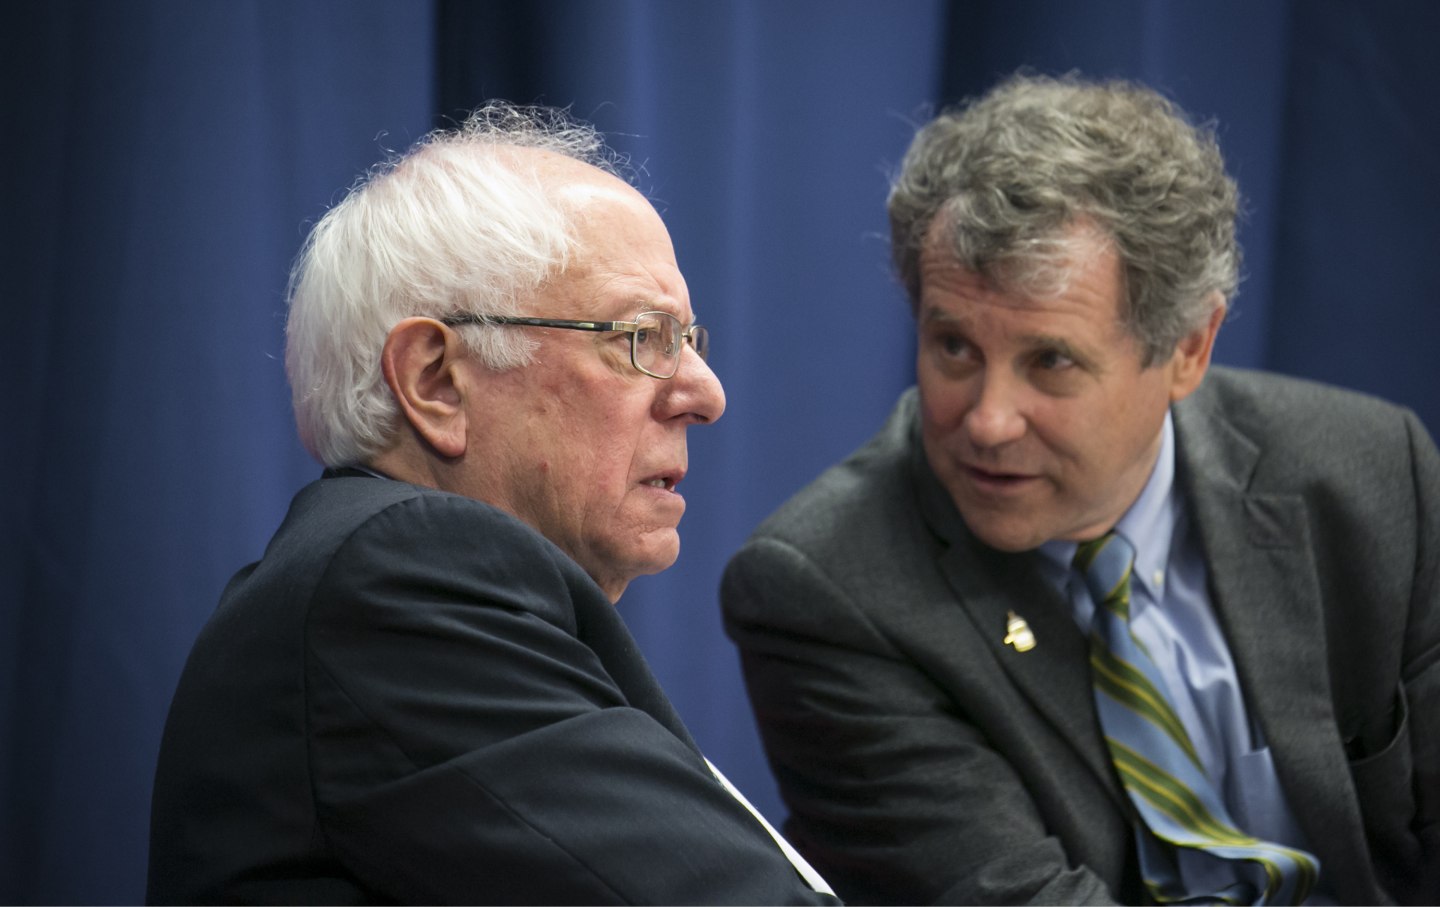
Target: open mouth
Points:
(996, 479)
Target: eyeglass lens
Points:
(657, 342)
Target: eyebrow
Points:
(654, 305)
(1051, 342)
(934, 314)
(1063, 347)
(638, 304)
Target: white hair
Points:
(458, 224)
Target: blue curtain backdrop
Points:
(163, 158)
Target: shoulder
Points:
(412, 519)
(1364, 468)
(1293, 407)
(1297, 426)
(346, 537)
(866, 489)
(405, 522)
(346, 504)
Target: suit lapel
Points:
(1265, 590)
(989, 585)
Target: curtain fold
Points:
(165, 158)
(162, 161)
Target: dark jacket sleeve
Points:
(467, 745)
(894, 795)
(1420, 723)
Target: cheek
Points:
(943, 403)
(1113, 443)
(1134, 417)
(609, 429)
(612, 461)
(1066, 429)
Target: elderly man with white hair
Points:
(422, 692)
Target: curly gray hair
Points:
(459, 223)
(1007, 177)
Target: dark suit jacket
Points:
(924, 760)
(414, 697)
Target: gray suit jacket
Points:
(924, 760)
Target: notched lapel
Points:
(1265, 589)
(1275, 522)
(1266, 594)
(1055, 675)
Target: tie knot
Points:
(1105, 564)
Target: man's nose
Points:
(995, 418)
(695, 391)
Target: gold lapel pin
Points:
(1017, 633)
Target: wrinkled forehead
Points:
(622, 259)
(594, 200)
(1040, 265)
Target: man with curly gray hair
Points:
(1089, 620)
(422, 692)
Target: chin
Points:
(664, 562)
(651, 559)
(1003, 535)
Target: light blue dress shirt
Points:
(1172, 616)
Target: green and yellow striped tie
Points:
(1156, 760)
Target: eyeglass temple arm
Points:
(468, 318)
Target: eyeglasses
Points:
(655, 337)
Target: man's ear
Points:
(1192, 354)
(421, 361)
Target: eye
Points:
(1058, 371)
(948, 344)
(1053, 361)
(949, 351)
